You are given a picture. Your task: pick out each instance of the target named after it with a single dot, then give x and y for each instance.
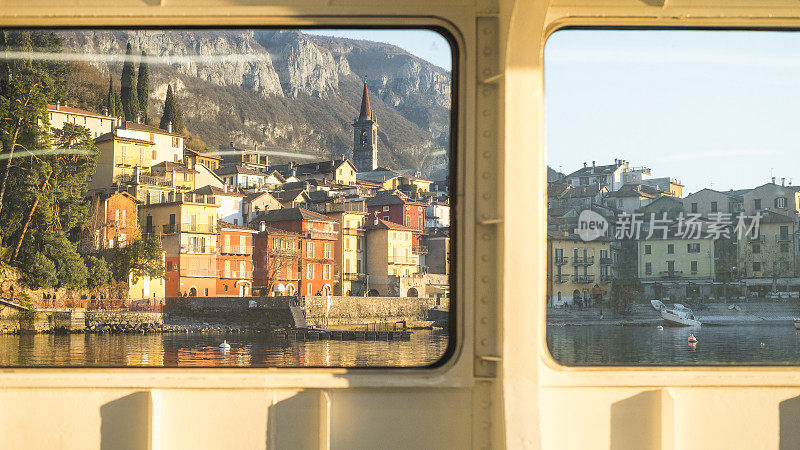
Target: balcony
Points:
(154, 181)
(199, 228)
(606, 278)
(583, 261)
(352, 231)
(671, 273)
(419, 250)
(606, 261)
(783, 238)
(319, 234)
(583, 279)
(402, 260)
(189, 272)
(354, 277)
(561, 261)
(285, 253)
(237, 249)
(561, 278)
(198, 249)
(237, 274)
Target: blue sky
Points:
(718, 109)
(425, 44)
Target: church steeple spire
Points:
(365, 137)
(366, 112)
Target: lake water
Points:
(202, 350)
(594, 345)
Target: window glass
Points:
(672, 151)
(94, 234)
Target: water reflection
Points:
(202, 350)
(646, 345)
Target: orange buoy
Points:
(692, 339)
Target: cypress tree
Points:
(143, 88)
(130, 103)
(111, 99)
(118, 105)
(166, 115)
(177, 115)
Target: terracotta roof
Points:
(366, 111)
(202, 154)
(293, 214)
(82, 112)
(226, 170)
(386, 225)
(391, 198)
(169, 166)
(213, 190)
(113, 135)
(231, 226)
(637, 190)
(254, 195)
(128, 125)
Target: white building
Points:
(96, 123)
(230, 203)
(437, 215)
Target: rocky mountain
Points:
(294, 94)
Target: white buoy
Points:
(660, 327)
(763, 345)
(225, 344)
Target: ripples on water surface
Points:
(645, 345)
(202, 350)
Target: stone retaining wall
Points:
(367, 310)
(133, 318)
(258, 312)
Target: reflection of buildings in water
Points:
(146, 350)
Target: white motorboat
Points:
(797, 323)
(657, 305)
(679, 316)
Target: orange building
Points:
(276, 261)
(318, 237)
(114, 222)
(235, 260)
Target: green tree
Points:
(25, 85)
(143, 88)
(120, 110)
(172, 113)
(140, 258)
(130, 104)
(40, 273)
(98, 272)
(625, 291)
(111, 99)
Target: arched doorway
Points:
(193, 292)
(244, 289)
(326, 290)
(373, 293)
(278, 289)
(412, 293)
(289, 289)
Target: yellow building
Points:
(187, 225)
(177, 175)
(683, 268)
(349, 253)
(96, 123)
(119, 159)
(577, 270)
(389, 254)
(167, 146)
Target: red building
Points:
(235, 260)
(394, 206)
(276, 261)
(318, 235)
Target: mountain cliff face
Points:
(292, 93)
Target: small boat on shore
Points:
(679, 316)
(797, 323)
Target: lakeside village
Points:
(217, 231)
(703, 249)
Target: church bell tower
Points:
(365, 137)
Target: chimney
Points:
(262, 225)
(593, 164)
(139, 120)
(105, 111)
(584, 164)
(783, 181)
(342, 156)
(169, 126)
(58, 105)
(773, 180)
(231, 144)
